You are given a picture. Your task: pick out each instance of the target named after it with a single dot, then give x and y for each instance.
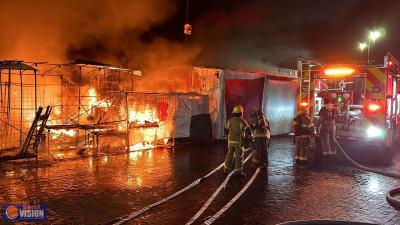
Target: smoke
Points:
(227, 34)
(100, 30)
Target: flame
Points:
(57, 133)
(60, 155)
(166, 140)
(93, 102)
(57, 111)
(141, 146)
(121, 128)
(142, 117)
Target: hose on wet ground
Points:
(122, 220)
(211, 219)
(214, 195)
(390, 195)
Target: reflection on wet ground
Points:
(97, 190)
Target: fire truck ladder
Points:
(305, 85)
(35, 133)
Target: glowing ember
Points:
(141, 146)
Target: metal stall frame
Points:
(45, 70)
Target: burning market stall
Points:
(91, 99)
(153, 119)
(273, 90)
(80, 93)
(22, 91)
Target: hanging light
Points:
(187, 29)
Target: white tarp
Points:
(279, 100)
(187, 106)
(279, 105)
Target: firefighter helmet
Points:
(237, 109)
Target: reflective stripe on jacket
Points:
(236, 127)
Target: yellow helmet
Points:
(237, 109)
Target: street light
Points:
(362, 45)
(372, 36)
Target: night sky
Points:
(278, 32)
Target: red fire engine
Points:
(367, 96)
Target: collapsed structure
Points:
(97, 108)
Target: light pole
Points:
(372, 36)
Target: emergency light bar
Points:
(339, 71)
(304, 104)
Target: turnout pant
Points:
(303, 143)
(234, 154)
(328, 134)
(260, 151)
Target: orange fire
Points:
(93, 102)
(141, 146)
(57, 133)
(145, 121)
(148, 115)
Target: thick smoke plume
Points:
(103, 30)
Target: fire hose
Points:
(122, 220)
(212, 197)
(390, 195)
(233, 200)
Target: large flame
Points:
(141, 116)
(93, 102)
(148, 115)
(56, 133)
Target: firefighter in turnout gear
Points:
(238, 131)
(261, 131)
(327, 127)
(304, 132)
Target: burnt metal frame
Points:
(22, 66)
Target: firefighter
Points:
(237, 130)
(304, 132)
(327, 127)
(261, 131)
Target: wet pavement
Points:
(97, 190)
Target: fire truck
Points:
(367, 97)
